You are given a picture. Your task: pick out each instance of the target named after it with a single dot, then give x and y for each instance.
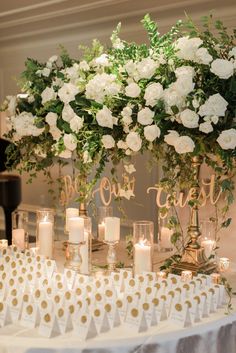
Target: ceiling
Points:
(26, 20)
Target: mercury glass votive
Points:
(161, 275)
(223, 264)
(186, 276)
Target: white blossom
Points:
(134, 141)
(108, 141)
(68, 92)
(184, 144)
(153, 93)
(151, 132)
(132, 90)
(102, 60)
(203, 56)
(189, 118)
(214, 105)
(122, 145)
(51, 119)
(83, 66)
(55, 132)
(48, 94)
(145, 116)
(24, 124)
(86, 157)
(232, 52)
(227, 139)
(65, 154)
(222, 68)
(70, 142)
(104, 118)
(206, 127)
(68, 113)
(102, 85)
(76, 123)
(146, 68)
(171, 137)
(185, 71)
(129, 168)
(187, 47)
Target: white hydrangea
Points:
(232, 52)
(108, 141)
(24, 124)
(185, 71)
(203, 56)
(76, 123)
(134, 141)
(171, 137)
(173, 98)
(55, 132)
(102, 60)
(214, 105)
(48, 94)
(70, 142)
(83, 66)
(189, 118)
(68, 92)
(206, 127)
(222, 68)
(151, 132)
(51, 119)
(100, 86)
(153, 93)
(68, 113)
(105, 119)
(132, 90)
(183, 85)
(146, 68)
(184, 144)
(227, 139)
(145, 116)
(187, 47)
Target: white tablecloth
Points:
(216, 334)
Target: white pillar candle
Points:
(166, 234)
(112, 229)
(70, 212)
(84, 252)
(101, 231)
(76, 230)
(142, 258)
(208, 246)
(18, 238)
(45, 229)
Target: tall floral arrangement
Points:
(175, 96)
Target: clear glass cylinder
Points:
(207, 240)
(164, 235)
(45, 232)
(103, 212)
(86, 249)
(20, 236)
(143, 246)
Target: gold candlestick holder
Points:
(193, 258)
(73, 256)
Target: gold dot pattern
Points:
(83, 319)
(47, 318)
(178, 307)
(60, 312)
(29, 309)
(134, 312)
(108, 308)
(97, 312)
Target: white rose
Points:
(183, 85)
(232, 52)
(203, 57)
(214, 119)
(122, 145)
(46, 72)
(171, 138)
(227, 139)
(65, 154)
(134, 141)
(146, 68)
(76, 123)
(189, 118)
(67, 113)
(206, 127)
(118, 44)
(145, 116)
(83, 66)
(48, 94)
(129, 168)
(86, 157)
(214, 105)
(186, 47)
(108, 141)
(151, 132)
(24, 124)
(53, 58)
(222, 68)
(51, 119)
(172, 98)
(67, 93)
(102, 85)
(131, 69)
(70, 142)
(184, 144)
(102, 60)
(132, 90)
(12, 104)
(55, 132)
(104, 118)
(153, 93)
(126, 112)
(185, 71)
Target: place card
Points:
(49, 326)
(180, 314)
(204, 305)
(80, 280)
(57, 300)
(117, 280)
(30, 315)
(45, 305)
(101, 320)
(150, 312)
(50, 267)
(3, 289)
(15, 306)
(136, 319)
(69, 276)
(131, 286)
(5, 314)
(85, 327)
(121, 307)
(110, 295)
(211, 300)
(161, 308)
(113, 314)
(173, 280)
(195, 308)
(151, 276)
(64, 320)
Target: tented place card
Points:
(136, 319)
(180, 314)
(49, 326)
(30, 316)
(85, 327)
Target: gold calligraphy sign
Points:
(181, 199)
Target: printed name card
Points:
(136, 319)
(85, 327)
(180, 314)
(64, 320)
(30, 315)
(49, 326)
(5, 314)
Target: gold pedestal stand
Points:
(193, 257)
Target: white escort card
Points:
(136, 320)
(49, 326)
(69, 276)
(5, 314)
(180, 314)
(195, 308)
(85, 327)
(30, 316)
(64, 320)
